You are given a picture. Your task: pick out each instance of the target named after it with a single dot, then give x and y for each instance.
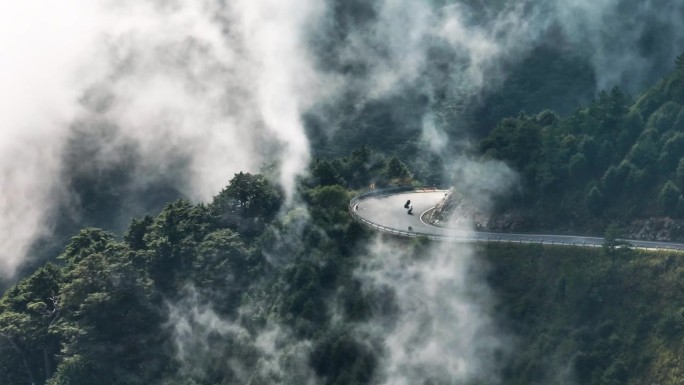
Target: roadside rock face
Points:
(454, 211)
(655, 229)
(511, 221)
(444, 208)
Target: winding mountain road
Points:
(384, 211)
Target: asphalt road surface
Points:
(387, 213)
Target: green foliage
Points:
(396, 169)
(106, 298)
(611, 240)
(88, 241)
(75, 370)
(330, 205)
(680, 173)
(597, 155)
(595, 200)
(547, 118)
(28, 313)
(668, 198)
(342, 359)
(225, 267)
(103, 316)
(613, 179)
(363, 167)
(546, 78)
(605, 322)
(578, 167)
(247, 196)
(172, 241)
(327, 173)
(672, 151)
(359, 170)
(106, 314)
(515, 140)
(99, 318)
(663, 118)
(135, 235)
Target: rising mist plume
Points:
(200, 90)
(192, 91)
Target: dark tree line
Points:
(616, 159)
(100, 313)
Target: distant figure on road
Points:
(410, 210)
(406, 205)
(410, 228)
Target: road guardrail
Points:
(476, 236)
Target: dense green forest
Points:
(590, 316)
(187, 296)
(115, 310)
(617, 159)
(545, 115)
(246, 289)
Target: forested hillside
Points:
(178, 212)
(618, 159)
(229, 292)
(113, 311)
(590, 316)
